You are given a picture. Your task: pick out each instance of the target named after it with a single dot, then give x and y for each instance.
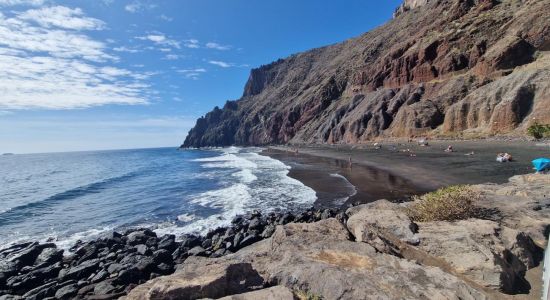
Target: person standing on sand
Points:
(350, 163)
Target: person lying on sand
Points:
(504, 157)
(471, 153)
(449, 149)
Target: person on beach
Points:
(449, 149)
(504, 157)
(350, 163)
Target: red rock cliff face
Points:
(447, 67)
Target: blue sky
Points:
(110, 74)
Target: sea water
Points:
(69, 196)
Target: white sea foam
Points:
(259, 182)
(186, 217)
(351, 187)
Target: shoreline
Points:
(338, 186)
(432, 168)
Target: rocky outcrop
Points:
(450, 67)
(379, 253)
(321, 259)
(110, 266)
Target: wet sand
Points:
(392, 173)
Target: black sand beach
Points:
(398, 170)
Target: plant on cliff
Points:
(539, 131)
(446, 204)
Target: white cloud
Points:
(212, 45)
(172, 57)
(160, 39)
(192, 73)
(166, 18)
(63, 17)
(47, 62)
(21, 2)
(138, 6)
(221, 63)
(125, 49)
(192, 43)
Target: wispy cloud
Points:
(126, 49)
(138, 6)
(212, 45)
(160, 39)
(171, 57)
(192, 73)
(192, 43)
(166, 18)
(21, 2)
(221, 63)
(62, 17)
(47, 61)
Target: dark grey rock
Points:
(196, 251)
(168, 242)
(115, 268)
(49, 256)
(268, 231)
(162, 256)
(35, 278)
(139, 237)
(81, 271)
(165, 269)
(67, 292)
(190, 241)
(255, 223)
(101, 275)
(143, 250)
(249, 240)
(104, 288)
(130, 275)
(41, 292)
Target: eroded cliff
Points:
(440, 68)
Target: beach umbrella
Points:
(541, 163)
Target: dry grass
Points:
(306, 295)
(446, 204)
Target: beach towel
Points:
(541, 164)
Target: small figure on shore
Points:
(377, 146)
(471, 153)
(504, 157)
(449, 149)
(423, 142)
(350, 162)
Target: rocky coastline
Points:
(378, 252)
(112, 265)
(366, 251)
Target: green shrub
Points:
(306, 295)
(539, 131)
(446, 204)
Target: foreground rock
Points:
(381, 254)
(319, 258)
(109, 267)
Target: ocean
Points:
(64, 197)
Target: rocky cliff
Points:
(439, 68)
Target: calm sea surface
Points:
(70, 196)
